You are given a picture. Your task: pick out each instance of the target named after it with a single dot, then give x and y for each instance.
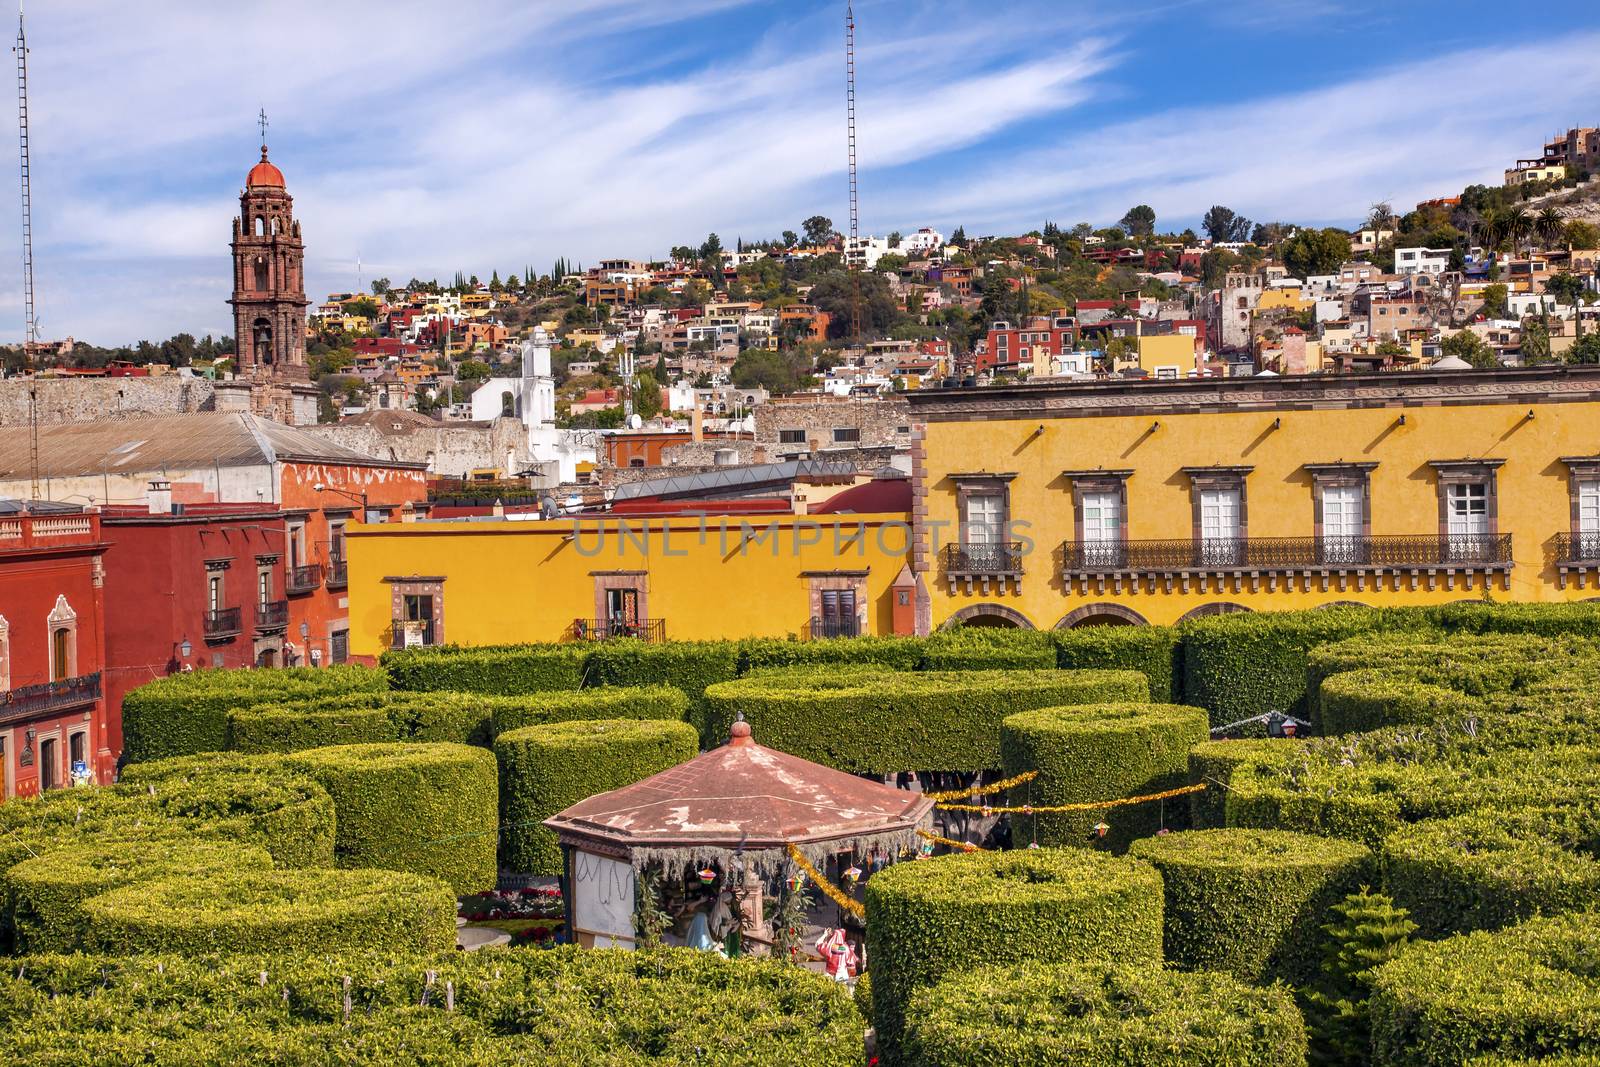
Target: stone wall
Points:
(451, 449)
(87, 399)
(877, 421)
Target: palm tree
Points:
(1549, 226)
(1518, 224)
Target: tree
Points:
(712, 248)
(380, 287)
(1221, 224)
(960, 236)
(1470, 347)
(1214, 267)
(894, 239)
(1549, 226)
(1568, 289)
(1535, 342)
(790, 238)
(647, 396)
(1494, 300)
(1585, 349)
(682, 254)
(1140, 221)
(777, 372)
(1380, 216)
(818, 230)
(1581, 234)
(472, 370)
(1368, 931)
(1312, 252)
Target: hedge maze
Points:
(275, 876)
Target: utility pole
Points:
(854, 249)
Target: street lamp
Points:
(361, 496)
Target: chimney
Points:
(697, 429)
(159, 496)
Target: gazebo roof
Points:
(743, 798)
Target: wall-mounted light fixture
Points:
(1528, 416)
(185, 648)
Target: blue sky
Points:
(426, 138)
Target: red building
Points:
(52, 648)
(1013, 347)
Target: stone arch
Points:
(1101, 615)
(508, 404)
(988, 615)
(261, 226)
(273, 227)
(1222, 607)
(1343, 604)
(259, 270)
(61, 631)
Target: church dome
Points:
(264, 173)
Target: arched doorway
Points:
(1206, 610)
(1101, 615)
(992, 615)
(267, 658)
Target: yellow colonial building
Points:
(1061, 504)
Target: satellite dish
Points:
(635, 421)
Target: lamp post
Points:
(361, 496)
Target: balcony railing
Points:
(1580, 548)
(224, 622)
(272, 615)
(31, 701)
(411, 634)
(835, 626)
(652, 630)
(303, 579)
(338, 573)
(1286, 553)
(984, 559)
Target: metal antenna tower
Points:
(855, 205)
(31, 326)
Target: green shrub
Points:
(1489, 869)
(545, 769)
(187, 713)
(1102, 1015)
(1367, 931)
(619, 702)
(289, 728)
(1357, 701)
(284, 912)
(1581, 619)
(44, 894)
(687, 665)
(1529, 990)
(29, 825)
(498, 669)
(1155, 650)
(428, 808)
(989, 648)
(1251, 902)
(569, 1006)
(1211, 763)
(1240, 665)
(931, 918)
(1100, 752)
(893, 653)
(864, 721)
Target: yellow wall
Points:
(1172, 350)
(511, 582)
(1283, 297)
(1532, 485)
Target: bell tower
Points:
(269, 298)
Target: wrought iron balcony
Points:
(835, 626)
(272, 615)
(49, 698)
(652, 630)
(1580, 548)
(338, 573)
(411, 634)
(1003, 558)
(303, 579)
(224, 622)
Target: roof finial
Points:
(261, 121)
(739, 733)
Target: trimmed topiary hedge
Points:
(931, 918)
(610, 702)
(1251, 902)
(498, 669)
(688, 665)
(1529, 990)
(864, 721)
(988, 648)
(893, 653)
(1155, 650)
(1490, 869)
(1212, 762)
(428, 808)
(187, 713)
(310, 912)
(1376, 697)
(545, 769)
(291, 727)
(1100, 752)
(1102, 1015)
(44, 894)
(672, 1008)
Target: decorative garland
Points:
(833, 892)
(965, 846)
(983, 791)
(1093, 805)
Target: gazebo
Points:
(738, 809)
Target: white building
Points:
(921, 243)
(532, 398)
(1421, 260)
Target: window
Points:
(791, 437)
(336, 541)
(1102, 527)
(263, 587)
(1467, 521)
(60, 653)
(1467, 509)
(76, 750)
(214, 593)
(339, 646)
(1221, 531)
(49, 764)
(297, 544)
(983, 520)
(1589, 509)
(846, 435)
(1342, 523)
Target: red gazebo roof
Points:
(743, 797)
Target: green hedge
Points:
(930, 918)
(286, 912)
(1490, 869)
(1529, 990)
(672, 1008)
(1155, 650)
(893, 653)
(44, 894)
(1252, 902)
(428, 808)
(187, 713)
(291, 727)
(1102, 1015)
(1212, 763)
(691, 666)
(497, 669)
(1580, 619)
(618, 702)
(1376, 697)
(544, 769)
(864, 721)
(988, 648)
(1100, 752)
